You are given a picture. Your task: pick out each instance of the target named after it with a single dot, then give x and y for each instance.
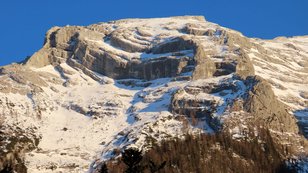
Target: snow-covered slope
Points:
(89, 117)
(285, 66)
(92, 91)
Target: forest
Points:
(206, 153)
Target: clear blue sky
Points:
(24, 22)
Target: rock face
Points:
(205, 67)
(264, 105)
(134, 82)
(91, 47)
(24, 80)
(59, 45)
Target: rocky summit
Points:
(92, 91)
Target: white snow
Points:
(85, 118)
(288, 78)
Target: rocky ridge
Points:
(92, 91)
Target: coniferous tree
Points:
(209, 153)
(7, 169)
(132, 158)
(104, 168)
(155, 168)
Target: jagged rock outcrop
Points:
(205, 67)
(262, 103)
(174, 45)
(59, 45)
(244, 66)
(198, 30)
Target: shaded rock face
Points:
(174, 45)
(244, 66)
(111, 66)
(196, 110)
(101, 62)
(205, 67)
(70, 44)
(197, 30)
(164, 67)
(266, 108)
(258, 100)
(205, 101)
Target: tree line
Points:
(206, 153)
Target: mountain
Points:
(92, 91)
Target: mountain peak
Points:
(134, 82)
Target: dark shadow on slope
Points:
(160, 104)
(302, 117)
(132, 84)
(138, 85)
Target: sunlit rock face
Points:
(92, 91)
